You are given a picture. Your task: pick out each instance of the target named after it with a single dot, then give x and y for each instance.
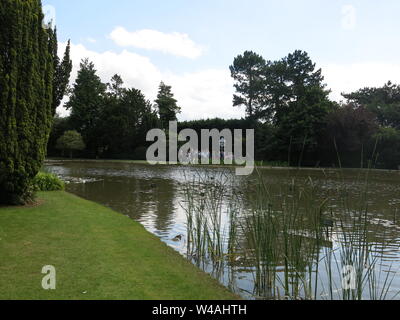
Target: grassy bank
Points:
(97, 253)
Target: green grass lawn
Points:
(97, 253)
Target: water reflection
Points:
(153, 196)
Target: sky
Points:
(191, 44)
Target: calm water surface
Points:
(153, 196)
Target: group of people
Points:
(195, 157)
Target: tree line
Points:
(289, 104)
(286, 102)
(112, 120)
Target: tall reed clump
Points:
(211, 210)
(299, 239)
(356, 262)
(303, 250)
(284, 230)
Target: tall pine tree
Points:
(167, 105)
(247, 71)
(62, 69)
(26, 96)
(86, 104)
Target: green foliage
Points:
(301, 123)
(384, 102)
(47, 182)
(124, 121)
(350, 134)
(292, 83)
(388, 141)
(167, 105)
(71, 141)
(248, 72)
(215, 123)
(86, 103)
(288, 93)
(113, 120)
(115, 88)
(286, 102)
(60, 125)
(264, 132)
(62, 73)
(26, 96)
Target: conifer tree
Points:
(62, 69)
(26, 96)
(86, 103)
(247, 71)
(167, 105)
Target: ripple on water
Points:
(129, 189)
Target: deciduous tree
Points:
(384, 102)
(70, 141)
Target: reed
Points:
(211, 208)
(297, 246)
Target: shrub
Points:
(47, 182)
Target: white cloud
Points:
(208, 93)
(349, 17)
(91, 40)
(203, 94)
(346, 78)
(178, 44)
(137, 71)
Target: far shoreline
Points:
(257, 166)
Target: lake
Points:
(160, 198)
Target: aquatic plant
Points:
(295, 243)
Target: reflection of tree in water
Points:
(121, 194)
(149, 200)
(164, 197)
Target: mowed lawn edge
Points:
(97, 252)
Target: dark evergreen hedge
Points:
(26, 96)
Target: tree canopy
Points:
(286, 102)
(167, 105)
(86, 103)
(248, 71)
(384, 102)
(70, 141)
